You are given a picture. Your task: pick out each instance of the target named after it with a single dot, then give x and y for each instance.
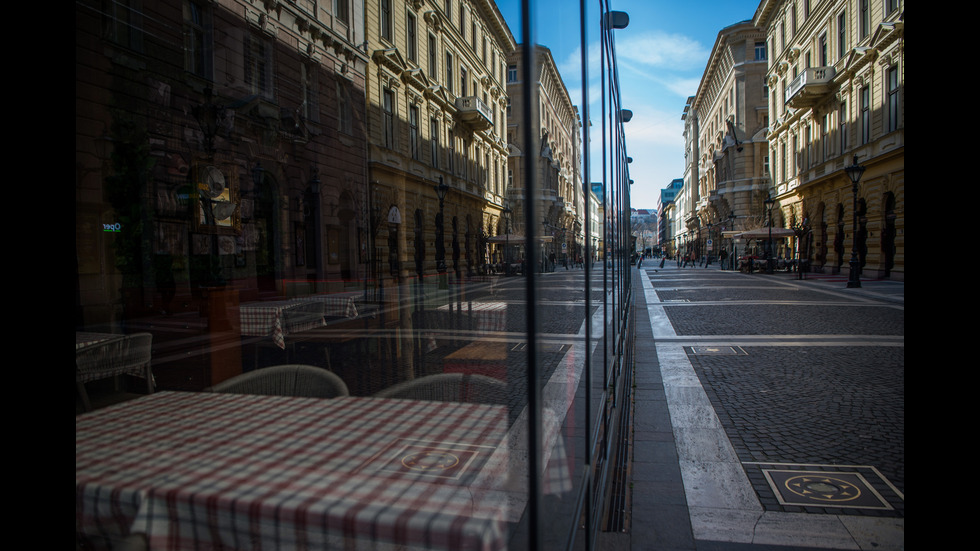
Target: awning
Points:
(518, 239)
(763, 233)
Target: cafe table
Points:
(225, 471)
(265, 318)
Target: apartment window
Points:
(411, 37)
(386, 23)
(893, 99)
(782, 162)
(462, 81)
(449, 71)
(413, 131)
(890, 6)
(512, 73)
(197, 38)
(760, 51)
(808, 148)
(798, 156)
(433, 70)
(841, 35)
(344, 114)
(341, 11)
(448, 8)
(452, 152)
(310, 89)
(388, 108)
(473, 35)
(462, 22)
(123, 23)
(822, 59)
(825, 137)
(842, 126)
(434, 142)
(865, 115)
(864, 19)
(258, 65)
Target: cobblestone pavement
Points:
(805, 377)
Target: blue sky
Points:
(661, 55)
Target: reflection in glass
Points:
(253, 216)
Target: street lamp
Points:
(441, 191)
(731, 228)
(506, 212)
(769, 202)
(854, 172)
(709, 247)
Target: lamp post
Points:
(731, 228)
(710, 246)
(854, 172)
(441, 190)
(506, 212)
(769, 202)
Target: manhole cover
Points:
(717, 350)
(824, 489)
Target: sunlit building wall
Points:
(836, 80)
(557, 153)
(436, 104)
(728, 156)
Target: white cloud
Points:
(662, 50)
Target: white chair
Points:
(129, 355)
(286, 380)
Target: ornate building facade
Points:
(436, 108)
(558, 148)
(836, 82)
(725, 135)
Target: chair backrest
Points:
(286, 380)
(450, 387)
(129, 354)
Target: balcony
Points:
(472, 111)
(810, 86)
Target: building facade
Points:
(836, 78)
(667, 217)
(558, 159)
(725, 129)
(436, 104)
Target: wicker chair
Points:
(129, 355)
(450, 387)
(286, 380)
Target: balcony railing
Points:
(809, 86)
(472, 111)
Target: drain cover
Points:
(718, 350)
(824, 489)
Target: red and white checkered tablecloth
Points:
(211, 471)
(261, 319)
